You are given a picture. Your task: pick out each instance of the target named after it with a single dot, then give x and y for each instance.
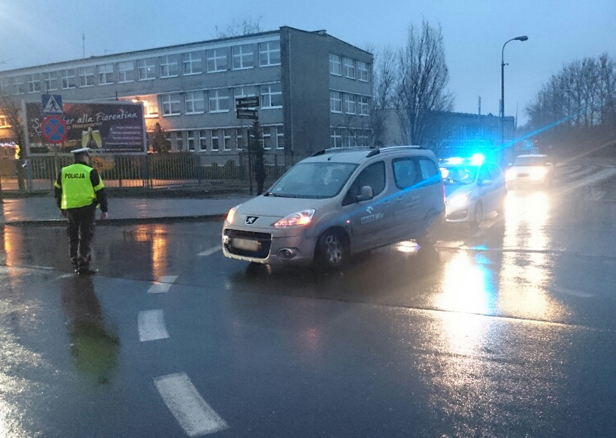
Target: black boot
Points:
(84, 269)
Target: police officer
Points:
(78, 190)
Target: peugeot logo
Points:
(250, 220)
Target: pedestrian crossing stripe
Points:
(52, 106)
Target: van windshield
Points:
(313, 180)
(530, 161)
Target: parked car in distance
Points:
(339, 202)
(473, 189)
(530, 170)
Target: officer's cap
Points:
(81, 151)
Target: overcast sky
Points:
(34, 32)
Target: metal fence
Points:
(39, 172)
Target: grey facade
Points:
(314, 90)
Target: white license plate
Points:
(245, 244)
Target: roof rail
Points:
(342, 149)
(394, 148)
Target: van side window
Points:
(405, 172)
(429, 171)
(495, 172)
(373, 176)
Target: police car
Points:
(473, 188)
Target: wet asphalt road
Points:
(509, 331)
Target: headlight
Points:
(458, 201)
(231, 214)
(300, 218)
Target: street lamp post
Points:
(502, 102)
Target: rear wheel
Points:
(332, 249)
(432, 233)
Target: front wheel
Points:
(478, 216)
(332, 250)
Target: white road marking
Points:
(187, 406)
(162, 285)
(210, 251)
(151, 325)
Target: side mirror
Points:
(485, 182)
(365, 194)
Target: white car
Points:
(473, 188)
(528, 170)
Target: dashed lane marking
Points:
(187, 406)
(151, 324)
(209, 252)
(163, 284)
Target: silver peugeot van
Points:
(339, 202)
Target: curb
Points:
(118, 222)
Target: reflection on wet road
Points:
(476, 336)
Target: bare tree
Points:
(246, 26)
(384, 83)
(423, 76)
(10, 109)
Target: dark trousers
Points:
(81, 222)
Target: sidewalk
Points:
(43, 210)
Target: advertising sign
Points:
(104, 127)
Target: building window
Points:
(86, 76)
(335, 101)
(191, 63)
(352, 138)
(349, 68)
(126, 71)
(363, 105)
(4, 123)
(169, 66)
(271, 96)
(239, 138)
(336, 139)
(267, 137)
(179, 140)
(19, 85)
(215, 141)
(243, 57)
(68, 79)
(219, 100)
(334, 65)
(50, 81)
(216, 60)
(279, 137)
(226, 139)
(362, 71)
(105, 74)
(147, 69)
(171, 104)
(349, 104)
(269, 53)
(150, 106)
(203, 140)
(190, 140)
(195, 104)
(34, 83)
(5, 85)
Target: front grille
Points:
(264, 239)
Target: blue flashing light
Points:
(455, 160)
(477, 159)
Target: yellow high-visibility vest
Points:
(77, 190)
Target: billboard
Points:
(114, 127)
